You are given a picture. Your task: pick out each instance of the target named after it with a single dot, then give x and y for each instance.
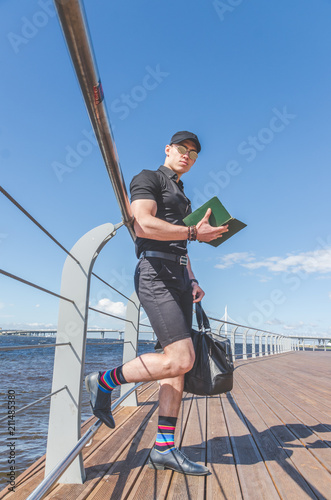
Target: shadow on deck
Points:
(269, 438)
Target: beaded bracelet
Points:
(192, 233)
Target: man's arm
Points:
(146, 225)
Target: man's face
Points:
(179, 163)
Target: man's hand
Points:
(206, 232)
(197, 292)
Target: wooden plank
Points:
(289, 482)
(304, 377)
(291, 392)
(309, 391)
(223, 483)
(303, 415)
(314, 473)
(313, 435)
(255, 481)
(128, 464)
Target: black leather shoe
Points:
(177, 461)
(100, 401)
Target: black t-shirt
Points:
(172, 205)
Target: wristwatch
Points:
(193, 280)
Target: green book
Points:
(219, 217)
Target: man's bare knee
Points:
(180, 356)
(186, 365)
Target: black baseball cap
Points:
(185, 136)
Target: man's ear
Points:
(167, 149)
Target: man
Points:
(167, 288)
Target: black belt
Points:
(181, 259)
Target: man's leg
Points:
(165, 455)
(170, 395)
(176, 360)
(170, 368)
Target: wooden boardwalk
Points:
(269, 438)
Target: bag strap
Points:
(202, 319)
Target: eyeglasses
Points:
(182, 150)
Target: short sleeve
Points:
(145, 186)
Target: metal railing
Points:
(253, 337)
(257, 342)
(20, 347)
(20, 410)
(75, 30)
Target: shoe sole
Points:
(151, 465)
(154, 466)
(95, 412)
(87, 385)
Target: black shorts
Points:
(165, 292)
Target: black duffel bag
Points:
(212, 372)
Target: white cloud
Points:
(116, 308)
(318, 261)
(2, 305)
(264, 279)
(290, 327)
(235, 258)
(295, 328)
(274, 321)
(143, 317)
(40, 326)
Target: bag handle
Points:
(202, 319)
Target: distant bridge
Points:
(52, 332)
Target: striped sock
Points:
(110, 379)
(165, 434)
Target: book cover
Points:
(219, 217)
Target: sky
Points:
(251, 78)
